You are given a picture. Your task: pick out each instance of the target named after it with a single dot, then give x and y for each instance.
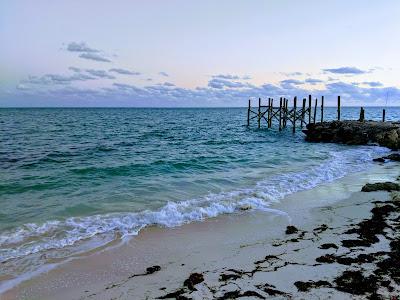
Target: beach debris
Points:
(240, 294)
(321, 228)
(305, 286)
(194, 278)
(225, 277)
(328, 246)
(381, 186)
(178, 294)
(291, 229)
(327, 259)
(354, 282)
(245, 207)
(271, 290)
(153, 269)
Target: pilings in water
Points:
(284, 114)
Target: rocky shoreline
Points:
(386, 134)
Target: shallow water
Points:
(73, 179)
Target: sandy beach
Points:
(249, 254)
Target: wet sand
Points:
(313, 246)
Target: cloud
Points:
(373, 83)
(231, 77)
(94, 56)
(218, 83)
(313, 81)
(345, 70)
(86, 52)
(74, 69)
(124, 72)
(292, 73)
(80, 47)
(100, 74)
(54, 79)
(163, 74)
(65, 90)
(290, 83)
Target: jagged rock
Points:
(355, 133)
(393, 156)
(381, 186)
(379, 159)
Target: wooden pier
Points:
(296, 115)
(285, 114)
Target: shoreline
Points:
(206, 247)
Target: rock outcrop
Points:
(385, 134)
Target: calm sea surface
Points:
(73, 179)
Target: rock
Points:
(194, 278)
(385, 134)
(291, 229)
(379, 159)
(381, 186)
(393, 156)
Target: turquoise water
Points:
(73, 179)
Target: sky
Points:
(208, 53)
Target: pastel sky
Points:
(197, 53)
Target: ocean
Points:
(73, 179)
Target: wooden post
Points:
(259, 112)
(286, 111)
(383, 115)
(294, 114)
(272, 111)
(269, 111)
(362, 115)
(315, 109)
(280, 114)
(322, 109)
(338, 108)
(309, 109)
(248, 115)
(303, 111)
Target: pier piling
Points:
(294, 114)
(322, 109)
(259, 112)
(315, 109)
(248, 113)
